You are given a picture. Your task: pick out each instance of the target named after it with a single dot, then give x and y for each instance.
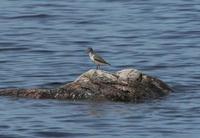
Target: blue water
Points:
(42, 45)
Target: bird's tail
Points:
(108, 63)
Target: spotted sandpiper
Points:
(98, 60)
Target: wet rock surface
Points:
(128, 85)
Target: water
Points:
(42, 44)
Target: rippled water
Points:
(42, 44)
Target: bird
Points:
(97, 59)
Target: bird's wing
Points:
(100, 59)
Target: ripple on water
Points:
(33, 16)
(60, 134)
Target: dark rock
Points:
(128, 85)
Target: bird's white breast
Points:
(92, 58)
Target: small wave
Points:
(48, 5)
(53, 134)
(4, 61)
(13, 49)
(7, 43)
(4, 126)
(43, 51)
(59, 134)
(6, 136)
(31, 16)
(83, 42)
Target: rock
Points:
(128, 85)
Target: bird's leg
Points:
(97, 67)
